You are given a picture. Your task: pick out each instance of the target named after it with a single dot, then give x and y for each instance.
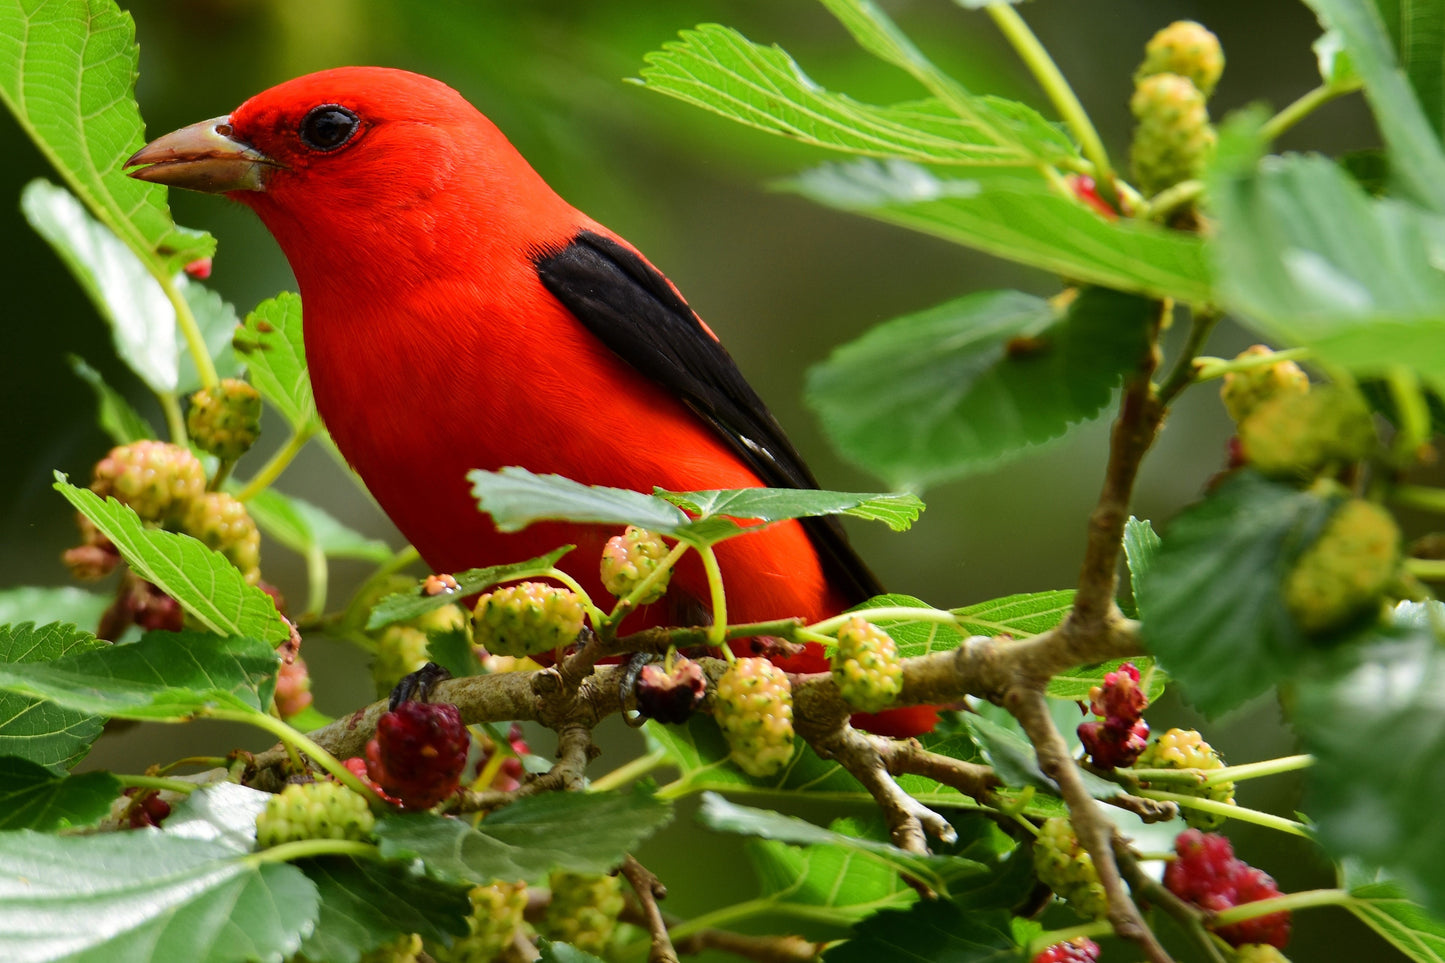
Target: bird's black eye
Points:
(327, 127)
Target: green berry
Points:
(1259, 953)
(1345, 573)
(583, 910)
(1185, 48)
(406, 948)
(222, 523)
(866, 666)
(1186, 749)
(629, 558)
(156, 479)
(313, 810)
(1244, 391)
(1173, 139)
(1298, 434)
(526, 619)
(401, 649)
(753, 704)
(492, 925)
(224, 420)
(1064, 867)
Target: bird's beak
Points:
(203, 157)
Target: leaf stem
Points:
(1305, 899)
(156, 782)
(594, 615)
(640, 590)
(304, 848)
(717, 632)
(1065, 101)
(1306, 104)
(1428, 569)
(278, 463)
(186, 321)
(1268, 820)
(1206, 369)
(629, 771)
(318, 575)
(830, 625)
(1211, 777)
(299, 740)
(175, 418)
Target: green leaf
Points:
(42, 732)
(33, 797)
(400, 606)
(963, 386)
(1417, 33)
(1385, 908)
(67, 71)
(1141, 544)
(934, 930)
(217, 321)
(581, 832)
(1336, 68)
(718, 69)
(1311, 259)
(365, 904)
(1214, 612)
(304, 527)
(1074, 685)
(1012, 756)
(1376, 726)
(164, 677)
(1019, 216)
(914, 636)
(204, 582)
(1417, 164)
(837, 884)
(223, 812)
(552, 952)
(114, 413)
(270, 341)
(1029, 613)
(142, 896)
(61, 603)
(936, 871)
(896, 510)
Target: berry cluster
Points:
(1173, 138)
(1245, 390)
(1123, 734)
(1296, 435)
(418, 753)
(629, 559)
(1080, 949)
(1206, 873)
(866, 666)
(1344, 574)
(313, 810)
(583, 910)
(226, 419)
(1186, 749)
(753, 704)
(1064, 867)
(670, 696)
(492, 925)
(527, 619)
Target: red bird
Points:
(459, 314)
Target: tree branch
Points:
(649, 890)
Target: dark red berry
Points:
(419, 752)
(357, 767)
(149, 810)
(1080, 949)
(1118, 740)
(670, 696)
(1111, 746)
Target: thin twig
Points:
(649, 890)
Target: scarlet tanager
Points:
(459, 314)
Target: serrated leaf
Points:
(270, 340)
(58, 603)
(898, 510)
(67, 71)
(223, 813)
(914, 636)
(1074, 684)
(1385, 908)
(581, 832)
(115, 415)
(365, 904)
(415, 602)
(933, 930)
(1023, 615)
(33, 797)
(838, 885)
(204, 582)
(1141, 544)
(1370, 774)
(46, 734)
(1417, 164)
(1417, 33)
(164, 677)
(966, 385)
(1310, 259)
(934, 870)
(304, 527)
(1012, 756)
(1214, 612)
(515, 498)
(1019, 216)
(142, 896)
(718, 69)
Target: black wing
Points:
(632, 308)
